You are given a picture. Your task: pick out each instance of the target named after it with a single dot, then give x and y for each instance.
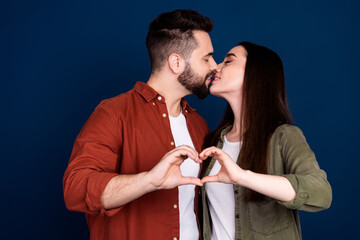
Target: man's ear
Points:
(176, 63)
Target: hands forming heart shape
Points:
(166, 174)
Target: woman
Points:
(262, 170)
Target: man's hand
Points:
(166, 174)
(124, 188)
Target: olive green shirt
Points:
(290, 156)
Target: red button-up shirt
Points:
(127, 134)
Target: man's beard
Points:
(193, 82)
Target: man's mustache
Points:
(209, 74)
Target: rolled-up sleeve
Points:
(313, 191)
(93, 163)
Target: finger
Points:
(209, 152)
(194, 153)
(204, 150)
(217, 153)
(213, 178)
(196, 159)
(203, 154)
(189, 149)
(184, 147)
(190, 180)
(185, 153)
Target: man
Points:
(135, 164)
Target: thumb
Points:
(190, 180)
(206, 179)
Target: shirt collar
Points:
(185, 105)
(224, 132)
(148, 93)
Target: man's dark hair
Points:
(172, 32)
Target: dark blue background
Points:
(59, 59)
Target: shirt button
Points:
(153, 103)
(236, 191)
(175, 205)
(159, 98)
(237, 216)
(175, 238)
(164, 115)
(172, 143)
(185, 110)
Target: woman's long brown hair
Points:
(264, 108)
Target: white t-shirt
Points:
(188, 224)
(221, 198)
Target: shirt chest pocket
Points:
(268, 217)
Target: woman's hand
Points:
(230, 172)
(277, 187)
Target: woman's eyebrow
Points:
(230, 54)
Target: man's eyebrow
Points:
(230, 54)
(209, 54)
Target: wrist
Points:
(244, 176)
(148, 182)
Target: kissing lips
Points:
(215, 78)
(211, 77)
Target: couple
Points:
(139, 158)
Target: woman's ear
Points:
(176, 63)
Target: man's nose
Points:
(214, 67)
(219, 66)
